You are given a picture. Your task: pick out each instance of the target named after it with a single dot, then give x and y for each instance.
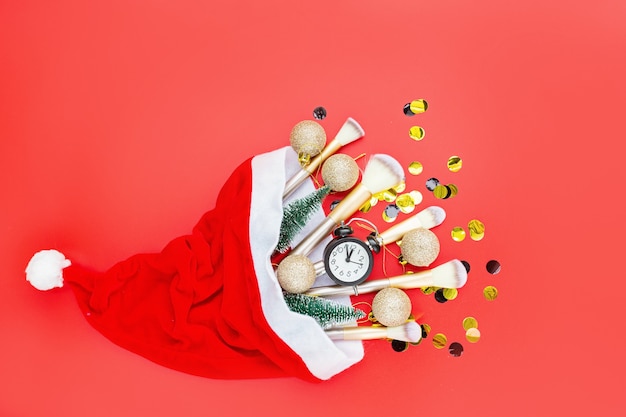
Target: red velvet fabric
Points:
(195, 306)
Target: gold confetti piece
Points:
(366, 207)
(416, 133)
(415, 168)
(400, 187)
(453, 190)
(490, 292)
(472, 335)
(426, 328)
(428, 290)
(470, 323)
(405, 203)
(455, 163)
(440, 340)
(387, 195)
(476, 229)
(418, 106)
(450, 293)
(458, 234)
(441, 191)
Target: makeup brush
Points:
(381, 173)
(408, 332)
(451, 274)
(428, 218)
(349, 132)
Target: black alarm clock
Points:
(347, 259)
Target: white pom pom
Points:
(45, 269)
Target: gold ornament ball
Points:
(420, 247)
(296, 274)
(391, 307)
(340, 172)
(308, 138)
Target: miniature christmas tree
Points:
(296, 215)
(326, 312)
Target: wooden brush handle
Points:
(357, 333)
(405, 282)
(294, 182)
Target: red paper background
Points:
(120, 121)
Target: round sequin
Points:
(416, 133)
(470, 323)
(476, 229)
(450, 293)
(415, 168)
(467, 266)
(387, 195)
(405, 203)
(440, 297)
(390, 213)
(431, 183)
(458, 234)
(416, 196)
(418, 106)
(490, 292)
(440, 340)
(493, 267)
(442, 192)
(425, 330)
(454, 190)
(428, 290)
(366, 207)
(407, 110)
(472, 335)
(455, 349)
(399, 345)
(319, 113)
(455, 163)
(400, 187)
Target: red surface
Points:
(119, 122)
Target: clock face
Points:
(348, 261)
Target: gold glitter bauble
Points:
(391, 307)
(296, 274)
(420, 247)
(308, 138)
(340, 172)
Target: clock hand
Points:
(349, 254)
(355, 262)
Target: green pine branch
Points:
(297, 214)
(326, 312)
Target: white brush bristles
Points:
(452, 274)
(349, 132)
(381, 173)
(431, 217)
(408, 332)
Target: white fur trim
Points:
(45, 269)
(323, 356)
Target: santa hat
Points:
(209, 303)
